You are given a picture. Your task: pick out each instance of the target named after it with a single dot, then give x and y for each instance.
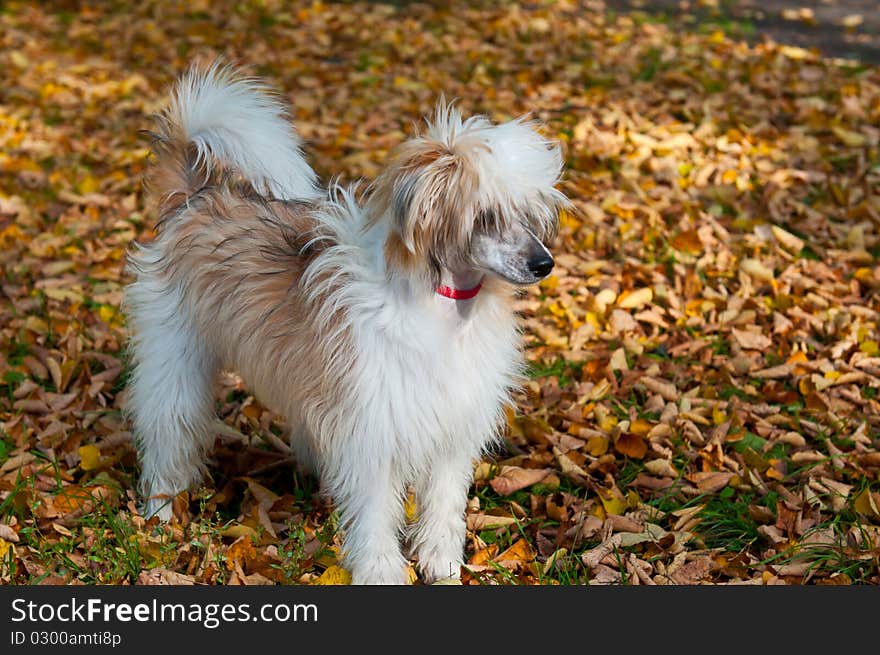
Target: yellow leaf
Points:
(798, 357)
(787, 240)
(328, 557)
(607, 422)
(88, 185)
(636, 298)
(593, 320)
(864, 274)
(688, 241)
(252, 411)
(867, 504)
(90, 457)
(641, 427)
(549, 283)
(5, 547)
(729, 176)
(483, 555)
(558, 310)
(521, 551)
(612, 503)
(36, 325)
(11, 234)
(597, 446)
(848, 137)
(19, 59)
(64, 294)
(241, 550)
(153, 551)
(334, 575)
(411, 508)
(632, 499)
(567, 220)
(107, 313)
(238, 530)
(870, 348)
(794, 52)
(774, 473)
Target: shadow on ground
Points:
(848, 29)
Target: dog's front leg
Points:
(439, 534)
(370, 502)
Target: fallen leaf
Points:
(90, 457)
(516, 555)
(751, 340)
(334, 575)
(479, 521)
(635, 299)
(631, 445)
(514, 478)
(867, 504)
(711, 481)
(688, 241)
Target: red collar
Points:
(459, 294)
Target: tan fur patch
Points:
(398, 256)
(425, 192)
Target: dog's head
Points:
(469, 195)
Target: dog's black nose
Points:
(541, 266)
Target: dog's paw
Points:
(381, 571)
(440, 569)
(159, 507)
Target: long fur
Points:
(239, 121)
(326, 308)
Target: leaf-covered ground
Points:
(705, 364)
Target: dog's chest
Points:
(443, 384)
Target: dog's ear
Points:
(427, 192)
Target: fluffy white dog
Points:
(382, 328)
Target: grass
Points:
(95, 548)
(563, 370)
(725, 522)
(107, 545)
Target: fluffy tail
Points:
(216, 116)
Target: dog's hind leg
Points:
(303, 451)
(170, 399)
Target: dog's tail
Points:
(219, 119)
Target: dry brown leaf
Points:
(514, 478)
(478, 521)
(751, 340)
(710, 481)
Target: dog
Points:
(379, 324)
